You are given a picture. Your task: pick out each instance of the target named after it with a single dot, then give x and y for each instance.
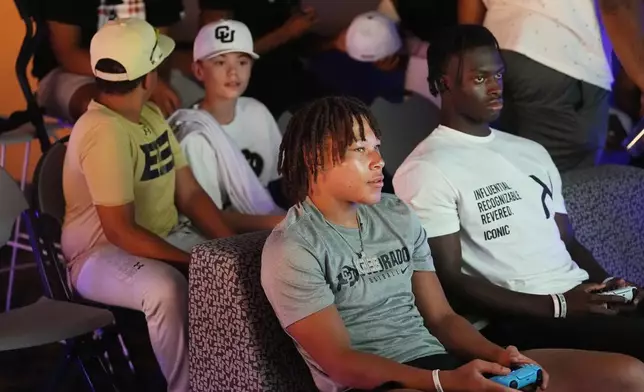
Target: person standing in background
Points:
(558, 77)
(62, 64)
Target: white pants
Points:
(114, 277)
(56, 89)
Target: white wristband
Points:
(607, 279)
(437, 381)
(555, 303)
(563, 305)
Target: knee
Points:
(627, 373)
(167, 295)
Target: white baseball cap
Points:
(372, 37)
(131, 42)
(224, 36)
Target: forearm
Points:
(272, 40)
(480, 292)
(205, 215)
(586, 261)
(140, 242)
(367, 371)
(624, 22)
(471, 11)
(459, 336)
(244, 223)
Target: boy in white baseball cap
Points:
(231, 142)
(125, 182)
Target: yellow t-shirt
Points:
(112, 161)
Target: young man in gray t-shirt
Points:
(350, 276)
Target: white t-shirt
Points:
(565, 35)
(255, 132)
(502, 193)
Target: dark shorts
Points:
(567, 116)
(618, 334)
(442, 362)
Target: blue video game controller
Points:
(521, 376)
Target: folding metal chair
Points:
(49, 320)
(24, 126)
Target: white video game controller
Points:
(628, 293)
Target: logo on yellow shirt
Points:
(158, 158)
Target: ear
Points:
(443, 84)
(198, 70)
(148, 81)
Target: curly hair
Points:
(322, 127)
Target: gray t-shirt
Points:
(309, 264)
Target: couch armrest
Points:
(236, 342)
(606, 208)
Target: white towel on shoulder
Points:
(246, 193)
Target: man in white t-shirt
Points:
(231, 142)
(558, 79)
(492, 207)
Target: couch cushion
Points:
(236, 342)
(606, 207)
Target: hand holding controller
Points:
(628, 292)
(521, 377)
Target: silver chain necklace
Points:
(361, 255)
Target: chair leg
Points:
(16, 237)
(12, 266)
(96, 374)
(61, 370)
(117, 357)
(149, 378)
(87, 354)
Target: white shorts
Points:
(56, 89)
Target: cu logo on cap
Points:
(224, 34)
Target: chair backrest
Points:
(236, 341)
(48, 181)
(43, 233)
(45, 218)
(403, 126)
(29, 13)
(12, 204)
(606, 208)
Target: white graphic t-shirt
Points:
(502, 192)
(255, 132)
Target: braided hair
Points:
(456, 40)
(322, 127)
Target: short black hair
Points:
(304, 144)
(455, 40)
(115, 88)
